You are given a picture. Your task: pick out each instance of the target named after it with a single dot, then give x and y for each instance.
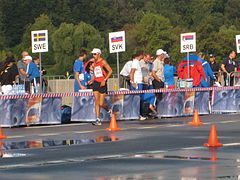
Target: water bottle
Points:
(32, 88)
(38, 88)
(166, 85)
(13, 91)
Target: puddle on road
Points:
(8, 145)
(12, 155)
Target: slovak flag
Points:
(116, 39)
(188, 37)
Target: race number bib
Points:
(98, 72)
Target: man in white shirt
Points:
(157, 72)
(136, 78)
(125, 75)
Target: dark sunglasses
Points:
(94, 54)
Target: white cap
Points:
(27, 58)
(96, 51)
(166, 55)
(160, 51)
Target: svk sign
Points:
(117, 41)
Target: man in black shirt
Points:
(229, 67)
(215, 68)
(8, 74)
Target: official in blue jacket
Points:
(32, 70)
(207, 71)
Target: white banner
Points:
(117, 41)
(238, 43)
(39, 41)
(188, 42)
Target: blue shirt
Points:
(79, 67)
(33, 71)
(169, 71)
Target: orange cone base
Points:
(113, 129)
(195, 124)
(3, 137)
(213, 145)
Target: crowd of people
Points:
(26, 72)
(142, 72)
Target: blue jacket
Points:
(208, 73)
(33, 71)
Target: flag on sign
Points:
(39, 37)
(117, 39)
(238, 41)
(189, 37)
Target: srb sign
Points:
(238, 43)
(188, 42)
(39, 41)
(117, 41)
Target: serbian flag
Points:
(189, 37)
(117, 39)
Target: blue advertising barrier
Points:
(46, 108)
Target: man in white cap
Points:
(102, 71)
(157, 71)
(32, 71)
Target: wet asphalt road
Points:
(151, 149)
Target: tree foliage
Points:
(149, 25)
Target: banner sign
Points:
(30, 111)
(39, 41)
(188, 42)
(117, 42)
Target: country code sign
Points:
(117, 41)
(238, 43)
(39, 41)
(188, 42)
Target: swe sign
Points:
(188, 42)
(39, 41)
(117, 41)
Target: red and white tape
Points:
(49, 95)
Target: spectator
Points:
(157, 71)
(148, 98)
(36, 60)
(169, 71)
(207, 71)
(8, 75)
(215, 68)
(102, 71)
(79, 71)
(229, 67)
(145, 68)
(22, 68)
(192, 69)
(125, 75)
(32, 71)
(136, 72)
(88, 75)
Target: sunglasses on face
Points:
(94, 54)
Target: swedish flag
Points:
(39, 37)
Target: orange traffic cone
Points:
(196, 120)
(1, 135)
(213, 139)
(113, 124)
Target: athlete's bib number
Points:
(98, 72)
